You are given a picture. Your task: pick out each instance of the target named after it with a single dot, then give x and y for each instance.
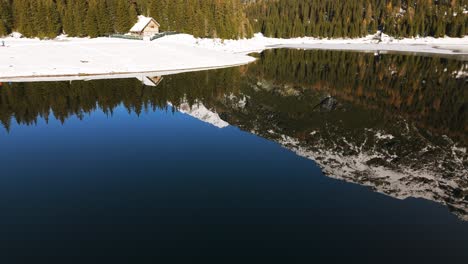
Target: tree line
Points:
(357, 18)
(81, 18)
(238, 18)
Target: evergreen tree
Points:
(68, 21)
(123, 16)
(5, 17)
(79, 17)
(53, 24)
(92, 25)
(104, 19)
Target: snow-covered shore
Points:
(103, 56)
(428, 45)
(80, 58)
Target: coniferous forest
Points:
(355, 18)
(80, 18)
(238, 18)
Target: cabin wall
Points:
(151, 29)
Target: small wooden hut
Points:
(145, 27)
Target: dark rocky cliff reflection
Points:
(395, 123)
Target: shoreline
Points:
(113, 75)
(83, 59)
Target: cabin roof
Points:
(142, 23)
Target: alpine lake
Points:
(303, 156)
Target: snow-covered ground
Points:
(75, 58)
(259, 42)
(72, 56)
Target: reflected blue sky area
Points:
(164, 183)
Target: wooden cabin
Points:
(152, 81)
(145, 27)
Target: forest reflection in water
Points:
(395, 123)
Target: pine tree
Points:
(123, 21)
(5, 17)
(104, 19)
(68, 21)
(39, 16)
(79, 17)
(91, 22)
(53, 25)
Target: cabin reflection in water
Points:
(152, 81)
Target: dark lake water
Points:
(300, 157)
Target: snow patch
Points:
(16, 35)
(379, 135)
(200, 112)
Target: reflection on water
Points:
(395, 123)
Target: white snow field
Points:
(447, 46)
(82, 58)
(73, 56)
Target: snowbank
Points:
(78, 57)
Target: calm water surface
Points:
(302, 156)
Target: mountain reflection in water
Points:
(395, 123)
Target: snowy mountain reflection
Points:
(395, 123)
